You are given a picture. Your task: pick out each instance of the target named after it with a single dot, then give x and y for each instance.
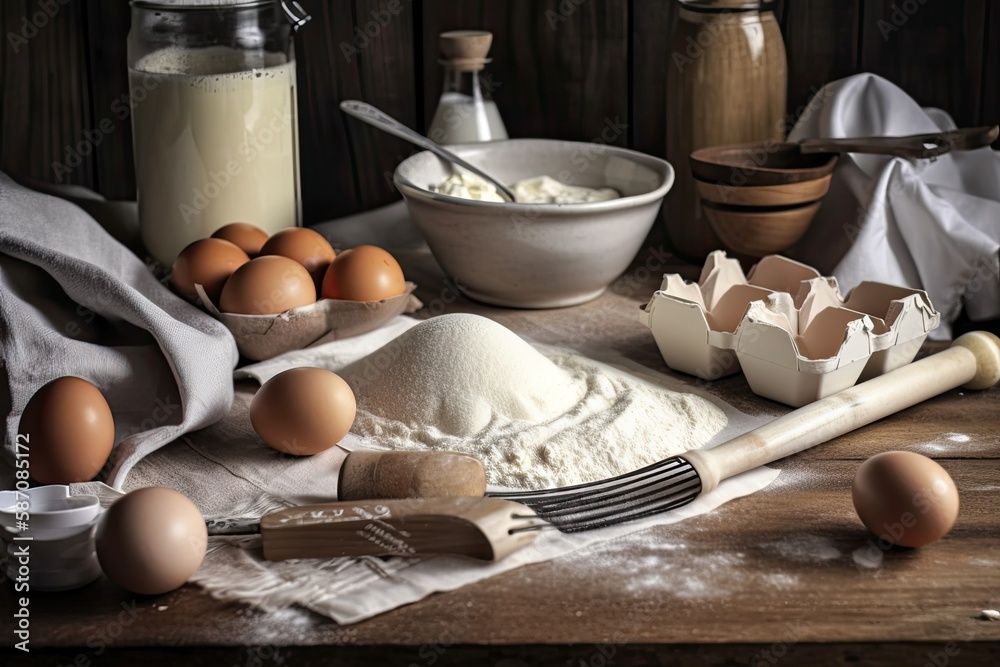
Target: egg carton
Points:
(260, 337)
(786, 327)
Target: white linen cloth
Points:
(75, 301)
(926, 224)
(351, 590)
(226, 471)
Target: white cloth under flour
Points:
(226, 471)
(926, 224)
(350, 590)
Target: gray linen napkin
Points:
(74, 301)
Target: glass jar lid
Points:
(294, 12)
(726, 5)
(180, 4)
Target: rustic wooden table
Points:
(785, 575)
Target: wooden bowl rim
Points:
(706, 160)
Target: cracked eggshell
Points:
(904, 317)
(261, 337)
(694, 324)
(786, 326)
(797, 368)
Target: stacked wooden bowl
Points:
(760, 198)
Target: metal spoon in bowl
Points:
(387, 123)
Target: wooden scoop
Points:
(917, 146)
(775, 164)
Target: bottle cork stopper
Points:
(466, 50)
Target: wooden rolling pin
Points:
(972, 362)
(369, 475)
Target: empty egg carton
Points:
(793, 349)
(695, 324)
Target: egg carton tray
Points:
(786, 327)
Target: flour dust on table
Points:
(535, 418)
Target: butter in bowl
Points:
(557, 245)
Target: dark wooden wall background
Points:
(562, 68)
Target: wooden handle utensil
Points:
(367, 474)
(973, 361)
(919, 146)
(484, 528)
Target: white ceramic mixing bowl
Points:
(537, 255)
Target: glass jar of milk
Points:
(214, 118)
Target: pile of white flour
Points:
(465, 383)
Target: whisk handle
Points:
(484, 528)
(973, 362)
(402, 474)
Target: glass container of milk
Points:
(466, 112)
(214, 121)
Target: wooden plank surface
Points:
(652, 26)
(107, 29)
(789, 568)
(559, 70)
(358, 50)
(46, 107)
(821, 40)
(932, 50)
(991, 70)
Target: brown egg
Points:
(267, 285)
(364, 273)
(68, 428)
(303, 411)
(151, 540)
(249, 238)
(209, 263)
(905, 498)
(305, 246)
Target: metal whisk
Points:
(662, 486)
(973, 361)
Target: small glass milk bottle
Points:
(466, 112)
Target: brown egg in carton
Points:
(260, 337)
(264, 288)
(793, 349)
